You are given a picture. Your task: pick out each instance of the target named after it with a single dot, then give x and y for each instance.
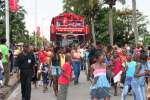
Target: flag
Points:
(13, 5)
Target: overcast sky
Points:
(46, 9)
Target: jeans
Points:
(138, 91)
(76, 68)
(142, 88)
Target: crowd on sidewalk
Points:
(126, 67)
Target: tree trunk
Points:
(111, 26)
(93, 31)
(134, 22)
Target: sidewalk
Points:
(5, 91)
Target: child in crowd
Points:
(64, 79)
(1, 70)
(130, 68)
(139, 80)
(100, 85)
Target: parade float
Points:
(69, 28)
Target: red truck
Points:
(69, 28)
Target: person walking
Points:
(11, 61)
(55, 70)
(35, 69)
(64, 79)
(139, 80)
(117, 72)
(5, 52)
(100, 85)
(130, 68)
(25, 62)
(76, 63)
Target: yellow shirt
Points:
(62, 59)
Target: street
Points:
(79, 92)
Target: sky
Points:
(47, 9)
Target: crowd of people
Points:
(126, 67)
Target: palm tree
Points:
(111, 3)
(134, 21)
(87, 8)
(135, 29)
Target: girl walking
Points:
(100, 85)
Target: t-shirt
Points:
(67, 70)
(117, 66)
(5, 52)
(62, 59)
(131, 68)
(42, 57)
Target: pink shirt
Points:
(98, 70)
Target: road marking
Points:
(14, 93)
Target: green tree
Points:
(122, 22)
(135, 27)
(111, 3)
(18, 32)
(86, 8)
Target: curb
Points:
(11, 90)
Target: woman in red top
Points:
(64, 79)
(117, 71)
(42, 56)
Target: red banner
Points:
(13, 5)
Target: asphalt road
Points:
(78, 92)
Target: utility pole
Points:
(35, 24)
(92, 23)
(134, 22)
(110, 30)
(7, 22)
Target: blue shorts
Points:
(56, 71)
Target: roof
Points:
(72, 15)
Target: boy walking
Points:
(64, 79)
